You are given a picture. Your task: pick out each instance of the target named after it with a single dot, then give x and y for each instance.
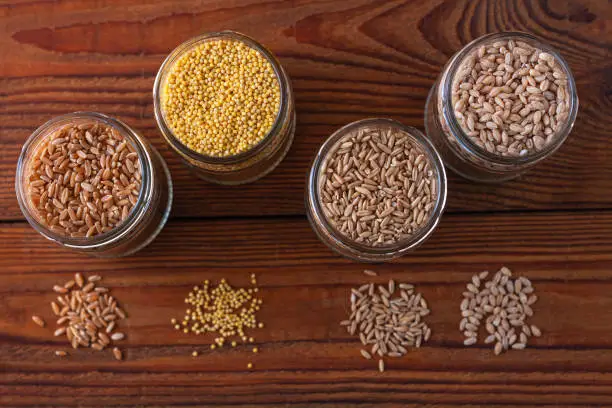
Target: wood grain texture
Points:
(347, 59)
(306, 357)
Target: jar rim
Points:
(135, 215)
(169, 62)
(358, 250)
(460, 135)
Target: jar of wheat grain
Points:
(503, 103)
(93, 184)
(376, 190)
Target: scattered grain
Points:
(117, 336)
(110, 327)
(38, 320)
(59, 332)
(119, 311)
(470, 340)
(56, 309)
(498, 348)
(117, 353)
(78, 278)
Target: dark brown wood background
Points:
(348, 60)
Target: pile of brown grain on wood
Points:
(388, 319)
(88, 316)
(507, 305)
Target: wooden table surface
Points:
(347, 60)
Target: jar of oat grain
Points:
(502, 104)
(376, 190)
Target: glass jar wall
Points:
(351, 248)
(150, 208)
(465, 154)
(246, 166)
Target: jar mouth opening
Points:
(449, 113)
(401, 246)
(161, 78)
(30, 212)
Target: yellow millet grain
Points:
(223, 310)
(221, 98)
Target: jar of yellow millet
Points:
(224, 103)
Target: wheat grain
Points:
(38, 320)
(79, 180)
(469, 341)
(117, 336)
(117, 353)
(55, 308)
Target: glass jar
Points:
(458, 151)
(346, 246)
(244, 167)
(149, 213)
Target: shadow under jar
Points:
(75, 186)
(249, 164)
(376, 190)
(503, 103)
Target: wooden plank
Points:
(305, 356)
(347, 60)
